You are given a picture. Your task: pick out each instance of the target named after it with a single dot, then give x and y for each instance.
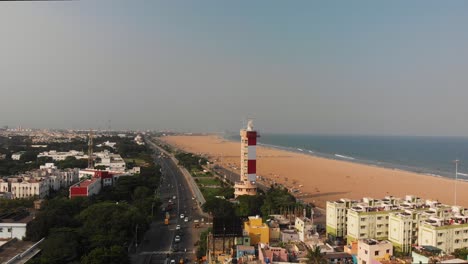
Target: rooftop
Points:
(85, 183)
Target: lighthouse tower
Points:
(248, 176)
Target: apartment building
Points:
(305, 228)
(404, 222)
(55, 155)
(336, 217)
(369, 218)
(447, 231)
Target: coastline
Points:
(322, 178)
(362, 161)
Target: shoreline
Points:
(321, 179)
(344, 158)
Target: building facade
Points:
(257, 230)
(370, 249)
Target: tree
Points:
(249, 205)
(101, 255)
(461, 253)
(276, 199)
(60, 247)
(315, 256)
(219, 208)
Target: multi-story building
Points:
(13, 225)
(336, 217)
(305, 228)
(86, 188)
(371, 249)
(404, 222)
(113, 162)
(55, 155)
(26, 187)
(257, 230)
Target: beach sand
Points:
(323, 179)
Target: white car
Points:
(172, 261)
(174, 197)
(177, 227)
(182, 216)
(177, 238)
(186, 219)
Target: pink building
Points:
(267, 254)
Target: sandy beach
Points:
(320, 179)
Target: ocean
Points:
(428, 155)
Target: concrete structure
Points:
(267, 254)
(112, 162)
(336, 217)
(55, 155)
(247, 184)
(17, 155)
(257, 230)
(13, 225)
(86, 188)
(404, 222)
(370, 249)
(305, 228)
(338, 258)
(245, 253)
(289, 235)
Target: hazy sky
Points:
(365, 67)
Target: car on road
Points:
(174, 197)
(182, 216)
(186, 219)
(172, 261)
(177, 227)
(177, 238)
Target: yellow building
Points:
(257, 230)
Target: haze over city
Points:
(360, 67)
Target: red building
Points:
(86, 188)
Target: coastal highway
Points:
(158, 245)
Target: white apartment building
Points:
(404, 222)
(336, 217)
(55, 155)
(305, 228)
(113, 162)
(39, 183)
(370, 249)
(447, 230)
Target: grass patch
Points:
(209, 193)
(209, 181)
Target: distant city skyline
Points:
(329, 67)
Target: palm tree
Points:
(314, 256)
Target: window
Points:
(9, 229)
(362, 227)
(439, 243)
(386, 217)
(379, 233)
(379, 218)
(363, 219)
(465, 240)
(1, 229)
(387, 251)
(457, 232)
(457, 241)
(365, 251)
(440, 234)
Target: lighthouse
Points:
(248, 176)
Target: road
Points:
(158, 244)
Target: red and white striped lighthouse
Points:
(248, 175)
